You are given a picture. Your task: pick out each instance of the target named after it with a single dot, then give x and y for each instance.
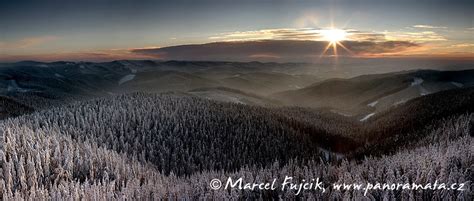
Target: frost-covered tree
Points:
(152, 147)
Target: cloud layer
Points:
(424, 26)
(313, 34)
(284, 50)
(281, 45)
(26, 42)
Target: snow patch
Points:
(294, 86)
(460, 85)
(13, 87)
(400, 102)
(367, 117)
(129, 65)
(423, 91)
(372, 104)
(416, 81)
(236, 100)
(340, 113)
(126, 78)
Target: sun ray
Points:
(345, 48)
(334, 38)
(334, 49)
(325, 50)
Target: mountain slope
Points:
(47, 163)
(265, 83)
(11, 108)
(232, 95)
(406, 123)
(78, 80)
(182, 134)
(375, 92)
(160, 81)
(387, 131)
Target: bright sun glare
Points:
(334, 35)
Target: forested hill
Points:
(12, 108)
(179, 134)
(184, 134)
(168, 146)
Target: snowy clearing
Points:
(416, 81)
(340, 113)
(400, 102)
(367, 117)
(423, 91)
(372, 104)
(457, 84)
(13, 86)
(126, 78)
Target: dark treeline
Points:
(12, 108)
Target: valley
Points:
(163, 130)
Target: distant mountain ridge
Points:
(375, 93)
(300, 84)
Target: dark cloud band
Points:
(271, 49)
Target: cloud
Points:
(365, 36)
(285, 44)
(292, 44)
(308, 19)
(100, 55)
(26, 42)
(284, 50)
(462, 45)
(423, 36)
(467, 48)
(423, 26)
(269, 34)
(314, 34)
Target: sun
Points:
(334, 35)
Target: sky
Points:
(245, 30)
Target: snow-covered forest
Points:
(169, 146)
(151, 130)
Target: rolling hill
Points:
(12, 108)
(224, 94)
(166, 146)
(375, 93)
